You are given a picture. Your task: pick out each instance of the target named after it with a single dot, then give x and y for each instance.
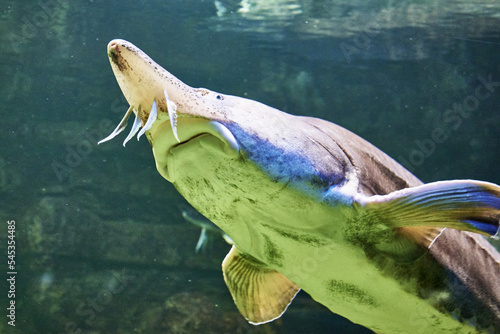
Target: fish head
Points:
(143, 81)
(232, 126)
(182, 112)
(227, 154)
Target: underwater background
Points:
(101, 245)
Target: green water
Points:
(101, 246)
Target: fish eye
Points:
(220, 97)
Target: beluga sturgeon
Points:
(310, 205)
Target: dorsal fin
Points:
(260, 294)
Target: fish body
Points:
(310, 205)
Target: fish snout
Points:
(113, 46)
(114, 53)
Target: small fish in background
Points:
(194, 217)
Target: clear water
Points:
(101, 246)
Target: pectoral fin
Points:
(260, 294)
(463, 204)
